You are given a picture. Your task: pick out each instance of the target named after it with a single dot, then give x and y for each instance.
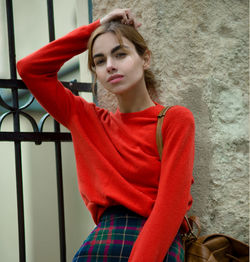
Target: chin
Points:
(117, 90)
(121, 91)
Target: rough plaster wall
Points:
(200, 57)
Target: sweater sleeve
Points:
(173, 198)
(39, 72)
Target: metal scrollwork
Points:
(3, 116)
(20, 112)
(5, 105)
(42, 121)
(13, 110)
(30, 101)
(31, 119)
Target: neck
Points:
(137, 99)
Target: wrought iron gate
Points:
(38, 135)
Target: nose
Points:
(110, 66)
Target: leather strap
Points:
(190, 222)
(159, 141)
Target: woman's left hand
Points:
(124, 15)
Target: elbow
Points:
(21, 65)
(24, 67)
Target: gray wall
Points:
(200, 58)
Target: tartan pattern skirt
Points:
(113, 238)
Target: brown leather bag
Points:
(210, 248)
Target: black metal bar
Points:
(35, 137)
(19, 84)
(11, 39)
(12, 83)
(60, 198)
(51, 22)
(90, 8)
(16, 122)
(58, 153)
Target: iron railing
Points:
(38, 135)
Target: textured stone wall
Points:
(200, 58)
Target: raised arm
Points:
(173, 199)
(39, 71)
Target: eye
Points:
(99, 61)
(120, 55)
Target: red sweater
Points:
(116, 154)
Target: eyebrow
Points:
(112, 51)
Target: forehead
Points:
(107, 41)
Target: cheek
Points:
(100, 74)
(136, 68)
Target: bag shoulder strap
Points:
(159, 143)
(159, 140)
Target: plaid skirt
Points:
(113, 238)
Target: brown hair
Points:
(121, 30)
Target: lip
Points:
(115, 78)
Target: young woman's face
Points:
(118, 68)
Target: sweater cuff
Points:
(95, 24)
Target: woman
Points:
(137, 201)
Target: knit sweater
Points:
(116, 154)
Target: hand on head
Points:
(125, 16)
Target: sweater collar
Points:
(151, 111)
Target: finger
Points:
(124, 18)
(127, 15)
(137, 25)
(132, 20)
(130, 16)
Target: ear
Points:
(147, 59)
